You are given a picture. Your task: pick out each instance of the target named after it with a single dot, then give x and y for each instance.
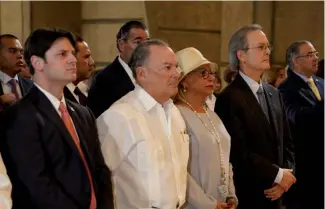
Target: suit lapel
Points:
(272, 109)
(122, 74)
(24, 85)
(68, 95)
(304, 89)
(252, 105)
(47, 109)
(250, 99)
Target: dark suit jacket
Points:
(111, 84)
(24, 83)
(42, 161)
(258, 147)
(306, 118)
(68, 95)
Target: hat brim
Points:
(204, 62)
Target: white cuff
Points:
(279, 176)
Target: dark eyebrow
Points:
(15, 48)
(262, 44)
(137, 38)
(311, 52)
(167, 63)
(63, 50)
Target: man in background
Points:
(116, 79)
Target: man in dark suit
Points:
(303, 96)
(50, 145)
(13, 86)
(116, 79)
(252, 111)
(76, 91)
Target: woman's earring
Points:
(184, 89)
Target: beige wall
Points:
(62, 14)
(297, 21)
(15, 18)
(101, 21)
(208, 26)
(195, 24)
(204, 25)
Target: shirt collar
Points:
(82, 85)
(253, 85)
(52, 98)
(148, 101)
(6, 78)
(127, 69)
(71, 87)
(304, 78)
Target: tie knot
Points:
(62, 108)
(260, 90)
(13, 82)
(77, 91)
(310, 80)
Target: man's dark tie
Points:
(13, 84)
(263, 103)
(82, 97)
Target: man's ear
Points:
(241, 55)
(295, 61)
(120, 44)
(185, 82)
(141, 73)
(37, 63)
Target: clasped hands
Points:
(277, 190)
(231, 203)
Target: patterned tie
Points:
(82, 97)
(68, 123)
(262, 100)
(13, 83)
(314, 88)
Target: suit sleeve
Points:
(288, 147)
(26, 150)
(241, 157)
(298, 114)
(5, 188)
(103, 174)
(100, 95)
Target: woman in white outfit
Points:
(210, 183)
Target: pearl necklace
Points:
(223, 189)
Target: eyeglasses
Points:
(309, 55)
(261, 47)
(205, 73)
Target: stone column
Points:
(101, 21)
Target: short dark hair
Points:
(141, 54)
(78, 39)
(7, 35)
(293, 51)
(124, 31)
(41, 40)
